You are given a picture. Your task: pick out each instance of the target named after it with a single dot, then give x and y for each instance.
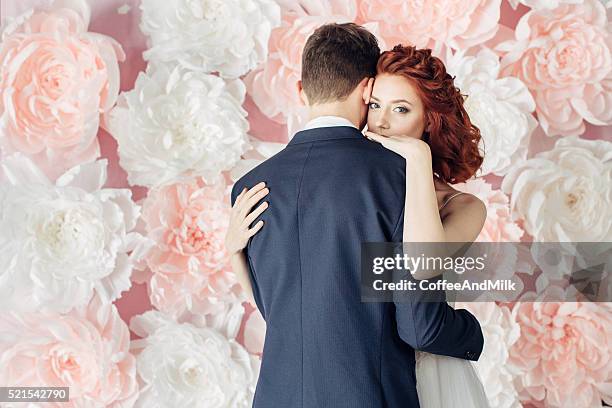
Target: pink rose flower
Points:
(188, 264)
(86, 350)
(562, 356)
(55, 81)
(456, 23)
(563, 55)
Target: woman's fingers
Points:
(238, 232)
(245, 195)
(373, 136)
(239, 198)
(390, 142)
(256, 213)
(251, 201)
(257, 227)
(246, 192)
(253, 190)
(376, 136)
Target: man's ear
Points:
(367, 90)
(301, 93)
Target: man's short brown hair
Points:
(336, 58)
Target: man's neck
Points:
(333, 110)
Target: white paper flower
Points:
(500, 107)
(178, 124)
(60, 243)
(181, 365)
(260, 152)
(500, 332)
(565, 194)
(225, 36)
(226, 321)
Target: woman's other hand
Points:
(410, 148)
(241, 217)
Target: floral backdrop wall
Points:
(123, 125)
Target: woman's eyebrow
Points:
(401, 100)
(393, 101)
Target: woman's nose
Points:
(382, 121)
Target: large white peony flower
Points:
(181, 365)
(225, 36)
(178, 124)
(565, 194)
(60, 243)
(500, 331)
(500, 107)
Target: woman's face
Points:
(395, 108)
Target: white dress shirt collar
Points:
(328, 121)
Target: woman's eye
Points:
(373, 105)
(401, 109)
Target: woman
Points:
(416, 111)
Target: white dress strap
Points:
(449, 198)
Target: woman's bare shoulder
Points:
(463, 202)
(454, 200)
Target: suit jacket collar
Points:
(326, 133)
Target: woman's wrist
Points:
(420, 168)
(236, 254)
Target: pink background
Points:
(124, 28)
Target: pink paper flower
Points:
(563, 55)
(456, 23)
(254, 332)
(55, 81)
(273, 86)
(188, 264)
(86, 350)
(562, 356)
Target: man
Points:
(330, 190)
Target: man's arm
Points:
(435, 327)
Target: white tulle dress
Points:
(448, 382)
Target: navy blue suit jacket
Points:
(330, 190)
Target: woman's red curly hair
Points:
(452, 137)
